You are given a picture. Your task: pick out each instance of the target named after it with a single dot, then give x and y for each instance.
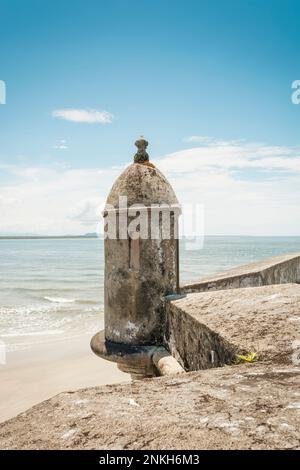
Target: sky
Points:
(207, 82)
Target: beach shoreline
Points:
(46, 369)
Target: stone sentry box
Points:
(141, 258)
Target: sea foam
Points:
(59, 300)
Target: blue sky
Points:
(171, 70)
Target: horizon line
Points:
(94, 236)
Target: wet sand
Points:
(36, 374)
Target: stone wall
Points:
(195, 325)
(278, 270)
(193, 344)
(206, 330)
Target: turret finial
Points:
(141, 155)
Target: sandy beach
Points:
(43, 370)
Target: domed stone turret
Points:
(141, 253)
(142, 184)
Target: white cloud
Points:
(88, 211)
(53, 200)
(246, 189)
(198, 138)
(89, 116)
(62, 145)
(206, 140)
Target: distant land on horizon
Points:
(33, 236)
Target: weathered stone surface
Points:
(141, 156)
(247, 406)
(139, 272)
(142, 184)
(262, 319)
(134, 305)
(238, 407)
(165, 363)
(278, 270)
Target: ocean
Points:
(52, 288)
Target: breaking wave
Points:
(60, 300)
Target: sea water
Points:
(51, 288)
